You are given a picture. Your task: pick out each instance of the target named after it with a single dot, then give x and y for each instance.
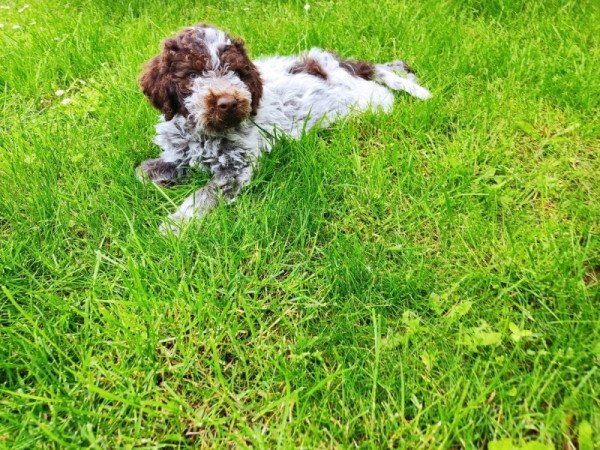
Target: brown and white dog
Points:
(220, 110)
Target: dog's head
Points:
(206, 76)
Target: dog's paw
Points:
(142, 175)
(157, 171)
(174, 224)
(169, 228)
(421, 93)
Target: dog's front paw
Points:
(168, 228)
(174, 224)
(157, 171)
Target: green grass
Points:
(424, 279)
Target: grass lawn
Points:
(424, 279)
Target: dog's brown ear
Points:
(237, 59)
(158, 84)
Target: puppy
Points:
(220, 110)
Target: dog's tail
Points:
(397, 75)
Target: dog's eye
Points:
(193, 75)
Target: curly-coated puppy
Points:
(220, 110)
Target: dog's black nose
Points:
(226, 102)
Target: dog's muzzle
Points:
(225, 110)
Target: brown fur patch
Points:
(166, 78)
(361, 69)
(309, 66)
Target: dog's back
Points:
(300, 91)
